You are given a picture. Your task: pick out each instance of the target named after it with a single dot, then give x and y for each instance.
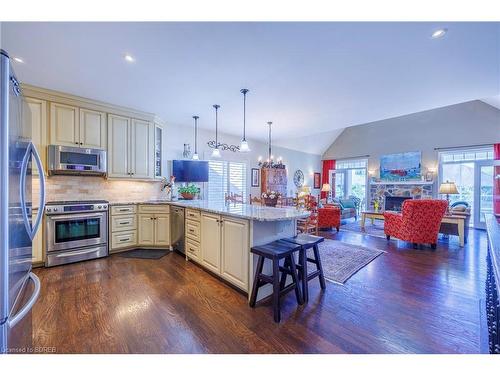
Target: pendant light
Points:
(216, 152)
(244, 144)
(195, 155)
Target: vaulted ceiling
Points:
(311, 79)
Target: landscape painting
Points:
(401, 167)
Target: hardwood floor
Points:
(405, 301)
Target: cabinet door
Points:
(37, 243)
(34, 126)
(64, 125)
(146, 230)
(235, 251)
(92, 129)
(210, 242)
(118, 146)
(142, 149)
(162, 230)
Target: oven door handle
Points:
(77, 216)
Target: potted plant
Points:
(189, 191)
(270, 198)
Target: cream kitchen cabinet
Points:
(77, 127)
(225, 243)
(235, 251)
(37, 243)
(210, 241)
(154, 225)
(130, 148)
(34, 127)
(123, 224)
(93, 132)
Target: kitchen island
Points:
(219, 235)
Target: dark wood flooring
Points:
(405, 301)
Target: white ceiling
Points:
(310, 79)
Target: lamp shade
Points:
(448, 188)
(326, 187)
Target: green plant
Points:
(189, 189)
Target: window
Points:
(350, 179)
(226, 177)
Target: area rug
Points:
(341, 260)
(145, 253)
(376, 229)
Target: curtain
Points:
(328, 165)
(496, 181)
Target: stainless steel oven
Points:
(76, 231)
(76, 160)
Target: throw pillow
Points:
(347, 203)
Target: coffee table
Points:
(457, 219)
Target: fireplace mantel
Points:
(402, 183)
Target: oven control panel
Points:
(69, 208)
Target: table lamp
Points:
(326, 188)
(448, 188)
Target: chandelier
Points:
(269, 163)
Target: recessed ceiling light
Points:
(439, 33)
(129, 58)
(18, 59)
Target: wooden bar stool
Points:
(276, 251)
(308, 241)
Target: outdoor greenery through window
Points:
(350, 179)
(226, 177)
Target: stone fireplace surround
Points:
(416, 191)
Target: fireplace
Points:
(394, 203)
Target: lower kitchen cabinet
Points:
(37, 243)
(210, 241)
(154, 225)
(225, 243)
(146, 230)
(162, 230)
(235, 251)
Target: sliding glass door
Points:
(350, 179)
(484, 192)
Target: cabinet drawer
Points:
(121, 210)
(154, 209)
(120, 223)
(193, 230)
(193, 249)
(193, 214)
(123, 239)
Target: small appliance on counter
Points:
(76, 231)
(76, 161)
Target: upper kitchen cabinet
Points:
(93, 132)
(34, 126)
(158, 155)
(142, 145)
(130, 148)
(77, 127)
(64, 125)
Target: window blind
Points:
(225, 178)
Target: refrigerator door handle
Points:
(31, 150)
(29, 305)
(41, 209)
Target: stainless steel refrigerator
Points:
(19, 287)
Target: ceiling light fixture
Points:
(195, 155)
(244, 144)
(216, 145)
(439, 33)
(129, 58)
(269, 163)
(19, 60)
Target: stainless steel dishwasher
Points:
(177, 228)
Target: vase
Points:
(271, 202)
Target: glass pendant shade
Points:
(244, 146)
(216, 153)
(195, 156)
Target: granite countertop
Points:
(244, 211)
(493, 229)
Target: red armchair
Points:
(418, 222)
(329, 217)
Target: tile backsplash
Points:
(86, 187)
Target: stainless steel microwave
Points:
(76, 160)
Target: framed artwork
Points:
(255, 177)
(317, 180)
(400, 167)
